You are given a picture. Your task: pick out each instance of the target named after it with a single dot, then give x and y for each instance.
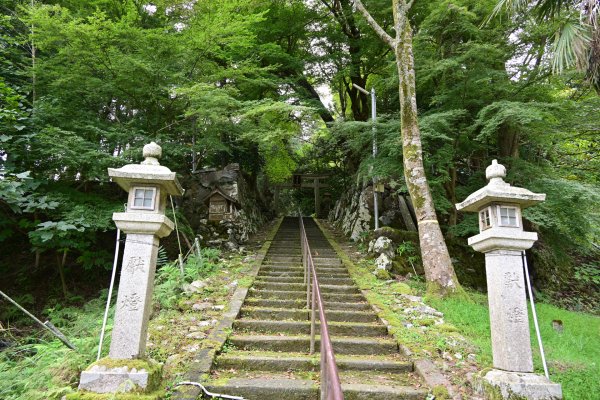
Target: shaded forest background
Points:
(85, 84)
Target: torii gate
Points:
(305, 181)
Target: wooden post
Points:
(317, 198)
(276, 199)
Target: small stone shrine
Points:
(503, 240)
(148, 184)
(221, 206)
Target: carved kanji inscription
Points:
(131, 302)
(135, 264)
(512, 279)
(516, 315)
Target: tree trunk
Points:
(37, 258)
(439, 272)
(450, 188)
(60, 261)
(508, 142)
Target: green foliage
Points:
(569, 210)
(42, 367)
(409, 252)
(588, 273)
(169, 282)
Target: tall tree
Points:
(439, 272)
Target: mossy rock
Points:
(382, 274)
(401, 266)
(440, 393)
(489, 391)
(153, 368)
(160, 394)
(469, 265)
(396, 235)
(425, 321)
(447, 328)
(401, 288)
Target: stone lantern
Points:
(502, 238)
(148, 186)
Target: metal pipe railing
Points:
(331, 388)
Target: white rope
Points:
(535, 320)
(180, 258)
(176, 228)
(206, 392)
(110, 290)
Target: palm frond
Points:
(549, 8)
(571, 46)
(511, 6)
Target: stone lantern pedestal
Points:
(503, 241)
(144, 222)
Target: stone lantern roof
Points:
(148, 171)
(499, 191)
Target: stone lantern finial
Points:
(495, 172)
(152, 152)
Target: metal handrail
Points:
(331, 388)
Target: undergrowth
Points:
(38, 366)
(169, 280)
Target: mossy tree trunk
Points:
(439, 272)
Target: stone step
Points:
(328, 270)
(291, 295)
(301, 274)
(300, 279)
(282, 264)
(301, 286)
(319, 269)
(303, 315)
(357, 391)
(327, 253)
(341, 345)
(268, 389)
(287, 259)
(326, 261)
(303, 327)
(298, 362)
(329, 305)
(279, 274)
(281, 268)
(280, 279)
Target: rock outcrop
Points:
(247, 219)
(353, 212)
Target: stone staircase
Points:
(267, 355)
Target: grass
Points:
(573, 356)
